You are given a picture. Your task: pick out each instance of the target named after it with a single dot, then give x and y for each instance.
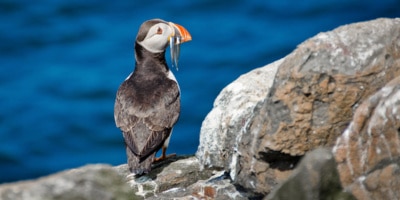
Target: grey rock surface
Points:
(182, 178)
(176, 178)
(316, 177)
(98, 181)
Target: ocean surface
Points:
(62, 62)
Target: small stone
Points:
(315, 178)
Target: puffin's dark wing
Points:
(146, 118)
(123, 120)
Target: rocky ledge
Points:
(321, 123)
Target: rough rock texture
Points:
(316, 177)
(319, 85)
(218, 186)
(177, 172)
(368, 152)
(181, 178)
(314, 95)
(258, 131)
(233, 110)
(100, 182)
(176, 178)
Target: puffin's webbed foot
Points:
(164, 156)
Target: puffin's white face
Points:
(157, 37)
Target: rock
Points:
(320, 84)
(258, 130)
(368, 152)
(314, 95)
(225, 126)
(233, 109)
(181, 178)
(172, 174)
(219, 186)
(89, 182)
(316, 177)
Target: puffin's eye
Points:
(159, 31)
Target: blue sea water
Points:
(62, 62)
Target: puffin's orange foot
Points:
(164, 157)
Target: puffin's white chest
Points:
(172, 77)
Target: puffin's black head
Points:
(154, 36)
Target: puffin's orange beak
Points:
(178, 36)
(183, 33)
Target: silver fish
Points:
(175, 42)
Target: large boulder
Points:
(309, 104)
(320, 84)
(316, 91)
(368, 152)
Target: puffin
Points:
(147, 103)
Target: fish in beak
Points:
(179, 36)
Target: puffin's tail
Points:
(135, 166)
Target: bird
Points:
(147, 103)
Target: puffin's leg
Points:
(164, 155)
(164, 147)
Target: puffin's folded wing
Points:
(154, 143)
(162, 121)
(124, 120)
(123, 104)
(167, 109)
(130, 143)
